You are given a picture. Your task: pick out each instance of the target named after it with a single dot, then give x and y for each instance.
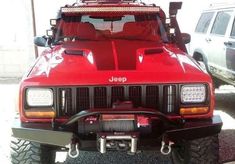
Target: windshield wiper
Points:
(63, 39)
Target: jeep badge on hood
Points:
(117, 79)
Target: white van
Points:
(213, 41)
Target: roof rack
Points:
(221, 4)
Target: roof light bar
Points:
(108, 1)
(109, 9)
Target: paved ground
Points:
(225, 98)
(225, 106)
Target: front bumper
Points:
(45, 134)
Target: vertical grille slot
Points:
(100, 97)
(152, 96)
(83, 102)
(169, 98)
(117, 94)
(135, 95)
(65, 101)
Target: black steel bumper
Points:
(41, 133)
(196, 129)
(44, 133)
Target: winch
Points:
(114, 123)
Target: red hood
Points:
(114, 62)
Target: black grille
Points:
(100, 97)
(152, 96)
(65, 102)
(75, 99)
(83, 98)
(135, 95)
(117, 94)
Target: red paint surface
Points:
(114, 57)
(55, 68)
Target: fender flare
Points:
(204, 56)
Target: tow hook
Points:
(73, 150)
(166, 149)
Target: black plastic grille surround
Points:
(71, 100)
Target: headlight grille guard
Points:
(141, 111)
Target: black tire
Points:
(200, 151)
(26, 152)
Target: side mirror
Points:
(186, 38)
(40, 41)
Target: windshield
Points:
(91, 27)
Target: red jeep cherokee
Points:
(115, 76)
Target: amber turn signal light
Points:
(194, 110)
(40, 114)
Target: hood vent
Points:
(153, 51)
(75, 52)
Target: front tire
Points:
(203, 150)
(23, 151)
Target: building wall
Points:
(16, 32)
(16, 46)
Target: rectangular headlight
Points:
(39, 97)
(193, 93)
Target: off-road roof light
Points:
(108, 1)
(106, 9)
(53, 22)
